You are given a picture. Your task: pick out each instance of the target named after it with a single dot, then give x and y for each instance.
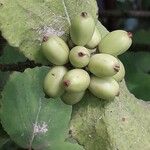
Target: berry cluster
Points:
(91, 63)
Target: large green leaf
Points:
(139, 85)
(137, 77)
(136, 61)
(142, 37)
(3, 79)
(24, 22)
(29, 118)
(123, 124)
(11, 55)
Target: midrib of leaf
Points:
(66, 12)
(35, 124)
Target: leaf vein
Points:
(66, 12)
(35, 124)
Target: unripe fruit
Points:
(55, 50)
(82, 29)
(116, 42)
(120, 75)
(53, 86)
(103, 65)
(92, 51)
(95, 39)
(105, 88)
(79, 57)
(71, 98)
(76, 80)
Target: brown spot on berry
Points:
(45, 39)
(118, 93)
(84, 14)
(117, 68)
(123, 119)
(70, 131)
(53, 74)
(66, 83)
(130, 34)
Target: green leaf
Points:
(11, 55)
(137, 77)
(24, 23)
(136, 61)
(29, 118)
(142, 37)
(122, 124)
(10, 145)
(139, 85)
(3, 79)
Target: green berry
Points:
(79, 57)
(95, 40)
(120, 75)
(53, 86)
(82, 29)
(103, 65)
(116, 42)
(105, 88)
(76, 80)
(71, 98)
(55, 50)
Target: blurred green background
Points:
(133, 16)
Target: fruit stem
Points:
(66, 83)
(130, 34)
(84, 14)
(81, 54)
(45, 39)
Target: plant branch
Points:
(129, 13)
(20, 66)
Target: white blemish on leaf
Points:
(56, 27)
(47, 31)
(52, 29)
(40, 128)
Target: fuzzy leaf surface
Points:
(123, 124)
(24, 23)
(39, 122)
